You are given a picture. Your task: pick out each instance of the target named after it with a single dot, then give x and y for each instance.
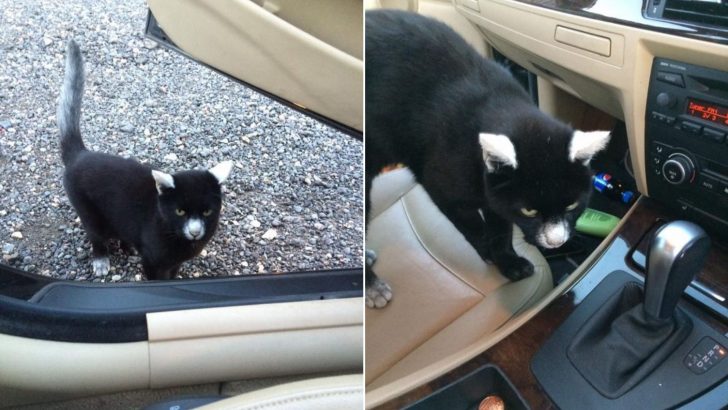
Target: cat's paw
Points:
(379, 293)
(100, 266)
(515, 268)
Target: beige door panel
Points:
(335, 22)
(571, 52)
(277, 47)
(255, 341)
(189, 347)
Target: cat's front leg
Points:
(153, 271)
(500, 246)
(491, 236)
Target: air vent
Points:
(698, 12)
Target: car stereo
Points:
(686, 146)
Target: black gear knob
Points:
(677, 252)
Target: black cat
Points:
(167, 218)
(470, 134)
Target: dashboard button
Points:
(660, 149)
(670, 78)
(666, 100)
(714, 135)
(690, 127)
(723, 189)
(709, 183)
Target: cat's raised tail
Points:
(69, 105)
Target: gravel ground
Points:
(293, 201)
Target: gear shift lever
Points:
(677, 252)
(632, 336)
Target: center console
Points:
(537, 360)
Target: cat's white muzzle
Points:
(194, 229)
(552, 235)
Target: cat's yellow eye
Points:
(207, 213)
(572, 206)
(179, 212)
(529, 212)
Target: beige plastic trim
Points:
(334, 393)
(251, 43)
(378, 396)
(335, 22)
(233, 343)
(616, 84)
(33, 371)
(585, 41)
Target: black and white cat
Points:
(167, 218)
(485, 154)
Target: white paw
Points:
(378, 294)
(100, 266)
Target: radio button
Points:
(669, 120)
(660, 149)
(723, 189)
(714, 135)
(690, 127)
(710, 184)
(666, 100)
(670, 78)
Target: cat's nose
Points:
(555, 234)
(194, 229)
(555, 242)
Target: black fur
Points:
(117, 197)
(428, 97)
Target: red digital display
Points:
(707, 111)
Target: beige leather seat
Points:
(445, 297)
(326, 393)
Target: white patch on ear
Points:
(162, 180)
(221, 171)
(584, 145)
(497, 148)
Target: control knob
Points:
(678, 169)
(666, 100)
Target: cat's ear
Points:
(162, 180)
(221, 171)
(584, 145)
(497, 150)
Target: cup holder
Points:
(467, 392)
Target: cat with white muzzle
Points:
(472, 137)
(168, 218)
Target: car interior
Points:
(223, 343)
(653, 72)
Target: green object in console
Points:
(596, 223)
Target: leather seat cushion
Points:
(445, 296)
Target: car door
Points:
(308, 55)
(74, 344)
